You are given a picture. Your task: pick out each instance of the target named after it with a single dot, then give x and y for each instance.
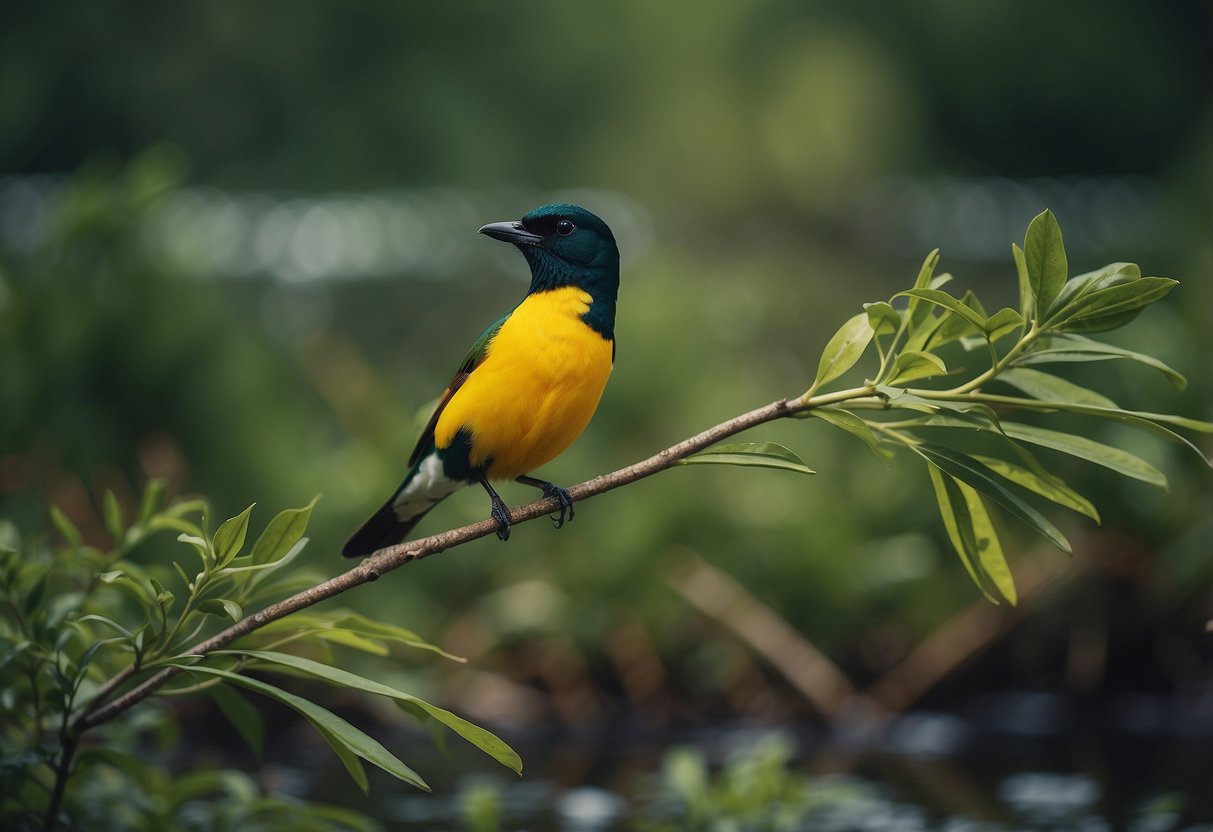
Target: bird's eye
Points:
(565, 227)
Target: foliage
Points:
(80, 626)
(1051, 326)
(88, 633)
(754, 790)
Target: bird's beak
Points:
(511, 232)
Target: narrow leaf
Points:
(114, 524)
(1002, 323)
(282, 533)
(882, 317)
(989, 549)
(844, 349)
(1117, 460)
(1045, 257)
(917, 311)
(353, 765)
(243, 716)
(955, 327)
(330, 725)
(66, 528)
(944, 300)
(1070, 348)
(1110, 308)
(153, 499)
(221, 607)
(1027, 307)
(1113, 274)
(229, 537)
(760, 454)
(973, 473)
(852, 424)
(954, 511)
(477, 736)
(1050, 388)
(1050, 487)
(912, 365)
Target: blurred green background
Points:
(238, 250)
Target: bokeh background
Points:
(238, 250)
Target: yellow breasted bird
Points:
(529, 385)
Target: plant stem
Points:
(67, 750)
(997, 367)
(393, 557)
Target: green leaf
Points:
(974, 474)
(1110, 308)
(282, 533)
(1113, 274)
(221, 607)
(200, 545)
(66, 528)
(911, 365)
(1117, 460)
(244, 717)
(1045, 256)
(115, 526)
(844, 349)
(1153, 422)
(1026, 304)
(953, 327)
(1002, 323)
(101, 619)
(246, 564)
(759, 454)
(1071, 348)
(353, 640)
(954, 511)
(852, 424)
(229, 537)
(916, 312)
(1041, 482)
(944, 300)
(989, 549)
(331, 726)
(485, 740)
(364, 631)
(1050, 388)
(882, 317)
(153, 499)
(163, 596)
(348, 758)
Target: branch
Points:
(393, 557)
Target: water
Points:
(1012, 763)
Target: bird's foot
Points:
(501, 516)
(562, 495)
(499, 511)
(565, 499)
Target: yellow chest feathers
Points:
(536, 389)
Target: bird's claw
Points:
(566, 503)
(501, 516)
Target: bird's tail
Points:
(383, 529)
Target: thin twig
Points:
(393, 557)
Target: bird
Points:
(529, 385)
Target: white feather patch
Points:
(427, 487)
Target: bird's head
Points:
(564, 244)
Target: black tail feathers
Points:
(383, 529)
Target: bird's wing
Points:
(473, 360)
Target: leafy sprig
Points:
(81, 627)
(1056, 314)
